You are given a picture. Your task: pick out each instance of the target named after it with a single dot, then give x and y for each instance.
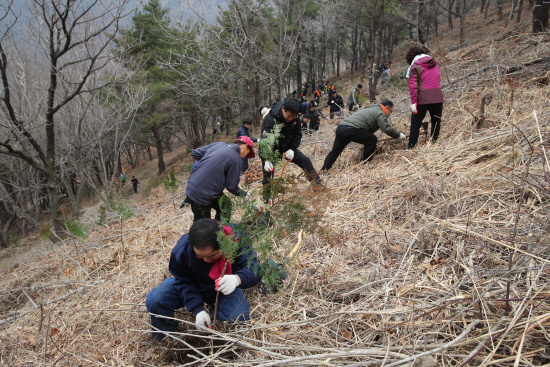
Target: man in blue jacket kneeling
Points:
(196, 264)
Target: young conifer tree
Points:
(270, 230)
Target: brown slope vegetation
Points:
(437, 254)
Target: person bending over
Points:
(360, 128)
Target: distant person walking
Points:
(122, 179)
(134, 183)
(425, 90)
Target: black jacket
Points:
(338, 103)
(243, 131)
(291, 132)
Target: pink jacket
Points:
(424, 84)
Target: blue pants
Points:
(165, 299)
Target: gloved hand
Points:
(413, 108)
(268, 167)
(203, 319)
(402, 136)
(331, 101)
(258, 140)
(227, 284)
(289, 154)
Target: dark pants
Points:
(345, 135)
(435, 110)
(335, 112)
(351, 107)
(165, 299)
(314, 125)
(203, 211)
(135, 188)
(245, 165)
(302, 161)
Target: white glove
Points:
(203, 319)
(331, 101)
(227, 284)
(402, 136)
(413, 109)
(258, 140)
(289, 154)
(268, 167)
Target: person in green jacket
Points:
(360, 128)
(352, 99)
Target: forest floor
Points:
(437, 255)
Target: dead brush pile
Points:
(438, 255)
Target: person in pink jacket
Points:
(425, 90)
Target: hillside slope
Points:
(424, 247)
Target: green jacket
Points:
(371, 119)
(352, 98)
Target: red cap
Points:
(247, 141)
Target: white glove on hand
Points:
(227, 284)
(258, 140)
(203, 319)
(289, 154)
(413, 109)
(402, 136)
(268, 167)
(331, 101)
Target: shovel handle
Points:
(285, 163)
(297, 247)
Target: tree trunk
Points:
(462, 24)
(511, 13)
(499, 6)
(519, 11)
(155, 129)
(540, 16)
(298, 74)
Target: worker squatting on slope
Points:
(217, 166)
(425, 90)
(360, 128)
(196, 265)
(284, 115)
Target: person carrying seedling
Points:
(196, 264)
(335, 102)
(360, 128)
(284, 116)
(243, 131)
(218, 166)
(352, 99)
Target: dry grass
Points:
(437, 255)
